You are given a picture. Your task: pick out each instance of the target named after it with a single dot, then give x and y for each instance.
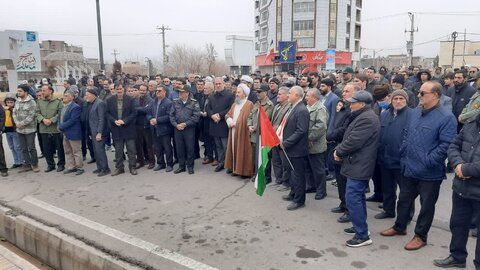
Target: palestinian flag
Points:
(266, 140)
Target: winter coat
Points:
(317, 129)
(253, 117)
(161, 112)
(24, 115)
(49, 109)
(71, 125)
(360, 145)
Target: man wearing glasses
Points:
(427, 136)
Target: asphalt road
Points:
(212, 221)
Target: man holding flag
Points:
(293, 135)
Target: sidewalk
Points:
(11, 261)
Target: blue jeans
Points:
(14, 145)
(356, 205)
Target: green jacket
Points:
(472, 109)
(253, 117)
(317, 129)
(49, 109)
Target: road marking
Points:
(130, 239)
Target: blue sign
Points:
(330, 59)
(287, 51)
(31, 36)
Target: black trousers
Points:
(329, 161)
(144, 138)
(315, 173)
(210, 150)
(377, 182)
(428, 192)
(297, 181)
(3, 163)
(100, 154)
(185, 145)
(341, 185)
(164, 150)
(277, 164)
(120, 145)
(87, 143)
(53, 143)
(27, 144)
(390, 179)
(463, 210)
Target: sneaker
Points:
(354, 242)
(351, 231)
(79, 171)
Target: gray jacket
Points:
(24, 114)
(97, 118)
(317, 129)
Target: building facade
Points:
(315, 25)
(466, 53)
(239, 54)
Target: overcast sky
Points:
(130, 26)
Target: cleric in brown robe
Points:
(238, 160)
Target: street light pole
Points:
(99, 30)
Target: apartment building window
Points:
(264, 16)
(304, 7)
(358, 15)
(263, 47)
(303, 28)
(347, 44)
(279, 20)
(263, 32)
(332, 26)
(359, 3)
(348, 28)
(257, 33)
(257, 19)
(358, 31)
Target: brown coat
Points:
(243, 149)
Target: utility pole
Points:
(454, 37)
(412, 31)
(163, 29)
(115, 53)
(99, 30)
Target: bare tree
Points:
(183, 60)
(211, 56)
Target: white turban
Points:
(245, 89)
(246, 78)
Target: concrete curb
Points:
(53, 247)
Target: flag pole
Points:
(289, 162)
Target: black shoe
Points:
(344, 218)
(295, 206)
(474, 232)
(103, 173)
(49, 169)
(151, 166)
(190, 171)
(96, 171)
(70, 171)
(139, 165)
(337, 210)
(380, 206)
(169, 169)
(449, 262)
(329, 177)
(91, 161)
(219, 168)
(383, 215)
(287, 198)
(118, 171)
(4, 174)
(41, 156)
(374, 198)
(354, 242)
(310, 190)
(133, 171)
(320, 196)
(79, 171)
(14, 166)
(229, 171)
(179, 170)
(159, 167)
(60, 168)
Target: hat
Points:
(245, 89)
(45, 81)
(246, 78)
(348, 70)
(424, 71)
(10, 96)
(361, 96)
(381, 91)
(74, 89)
(399, 79)
(275, 81)
(93, 92)
(263, 88)
(400, 92)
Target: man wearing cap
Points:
(393, 122)
(329, 100)
(398, 82)
(121, 116)
(24, 113)
(218, 105)
(184, 116)
(48, 111)
(10, 131)
(470, 112)
(69, 124)
(460, 94)
(347, 75)
(430, 131)
(252, 123)
(360, 141)
(238, 159)
(274, 84)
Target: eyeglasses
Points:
(423, 93)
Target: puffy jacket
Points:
(393, 128)
(24, 114)
(49, 109)
(424, 147)
(465, 150)
(360, 145)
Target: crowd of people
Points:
(396, 128)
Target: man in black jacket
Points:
(359, 141)
(121, 116)
(144, 139)
(464, 154)
(293, 134)
(460, 94)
